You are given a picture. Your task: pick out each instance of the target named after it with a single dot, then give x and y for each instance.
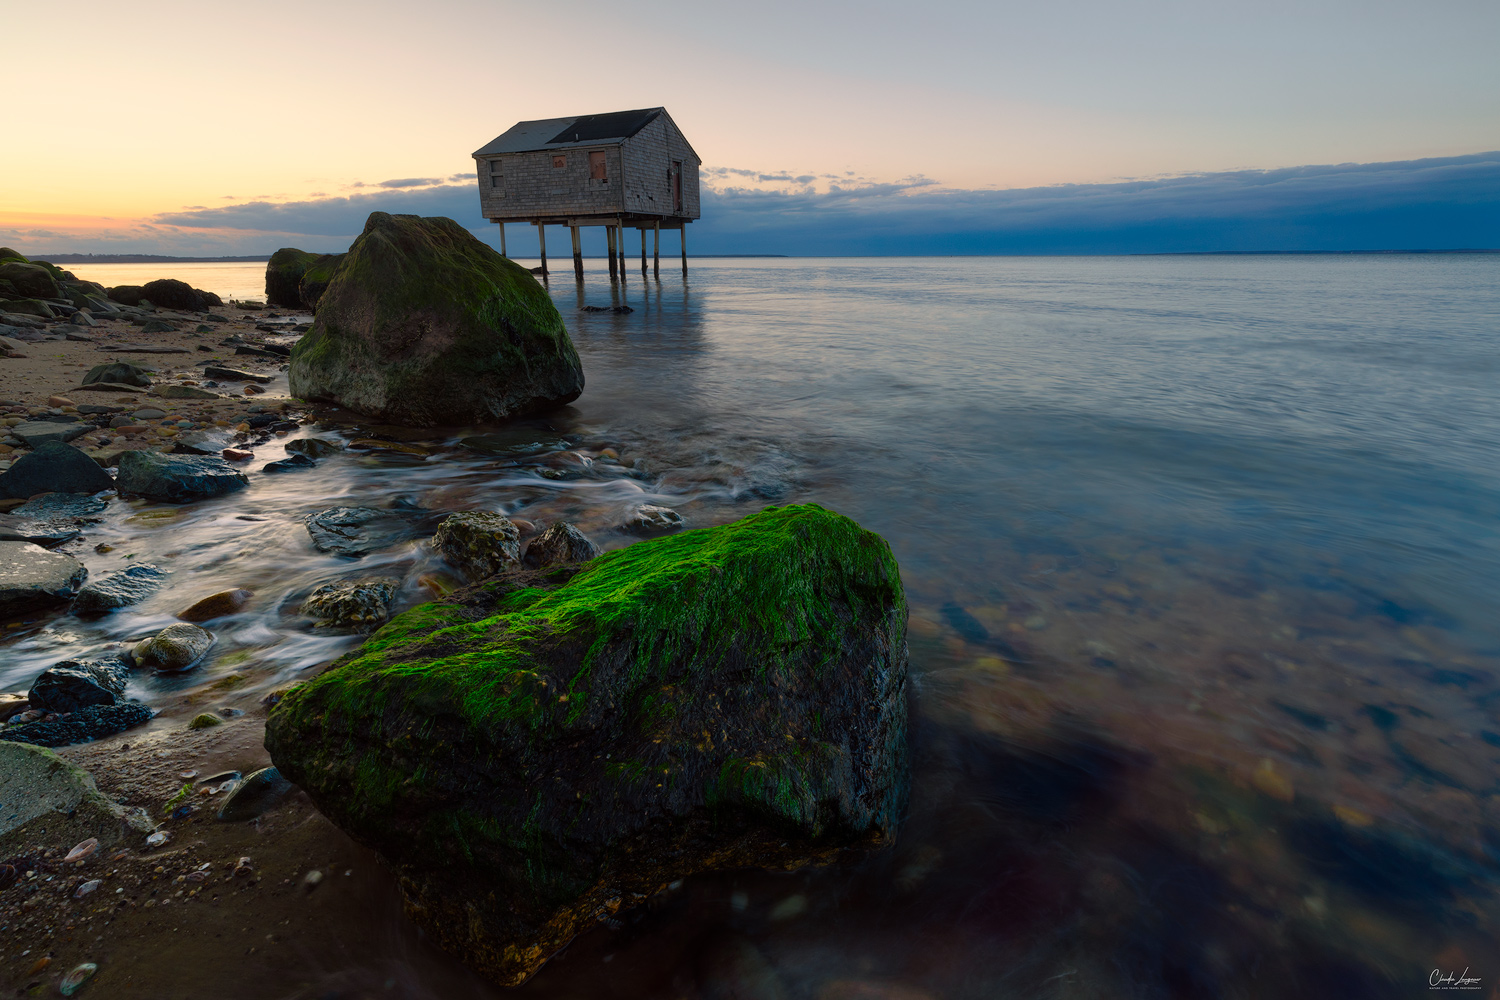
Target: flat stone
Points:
(41, 791)
(115, 387)
(142, 349)
(203, 442)
(118, 590)
(39, 432)
(90, 409)
(158, 326)
(225, 602)
(177, 478)
(118, 373)
(31, 577)
(314, 447)
(46, 534)
(174, 648)
(291, 463)
(354, 531)
(54, 506)
(514, 443)
(183, 392)
(55, 467)
(149, 413)
(234, 374)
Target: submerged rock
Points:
(55, 467)
(31, 577)
(362, 604)
(423, 324)
(479, 543)
(92, 723)
(648, 519)
(174, 648)
(353, 531)
(118, 590)
(560, 543)
(529, 756)
(314, 447)
(75, 684)
(225, 602)
(41, 791)
(178, 478)
(292, 463)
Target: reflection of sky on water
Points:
(1201, 556)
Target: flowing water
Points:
(1203, 566)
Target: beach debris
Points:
(76, 977)
(158, 839)
(87, 887)
(311, 879)
(82, 850)
(243, 868)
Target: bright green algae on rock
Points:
(724, 697)
(423, 324)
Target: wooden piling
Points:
(656, 250)
(609, 238)
(620, 246)
(541, 239)
(502, 240)
(577, 254)
(683, 232)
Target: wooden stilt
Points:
(609, 238)
(643, 249)
(620, 246)
(656, 251)
(577, 254)
(541, 239)
(683, 231)
(502, 240)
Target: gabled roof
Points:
(562, 133)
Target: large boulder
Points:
(31, 280)
(54, 467)
(170, 293)
(542, 750)
(31, 577)
(423, 324)
(479, 543)
(178, 478)
(126, 295)
(316, 278)
(284, 273)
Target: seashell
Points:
(185, 775)
(83, 850)
(158, 838)
(79, 975)
(197, 876)
(220, 778)
(87, 887)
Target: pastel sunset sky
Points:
(174, 127)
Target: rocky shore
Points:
(765, 730)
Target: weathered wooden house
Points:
(624, 170)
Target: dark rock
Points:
(174, 648)
(94, 408)
(648, 519)
(362, 604)
(254, 795)
(561, 543)
(316, 278)
(31, 280)
(259, 420)
(314, 447)
(177, 478)
(284, 273)
(27, 307)
(216, 318)
(170, 293)
(92, 723)
(75, 684)
(118, 590)
(47, 534)
(479, 543)
(184, 392)
(39, 432)
(51, 800)
(292, 463)
(31, 577)
(234, 375)
(118, 373)
(54, 467)
(54, 506)
(158, 326)
(126, 295)
(526, 759)
(353, 531)
(423, 324)
(202, 442)
(515, 443)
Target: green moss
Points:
(181, 796)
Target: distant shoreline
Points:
(137, 258)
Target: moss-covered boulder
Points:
(538, 752)
(169, 293)
(31, 280)
(284, 273)
(423, 324)
(127, 295)
(316, 278)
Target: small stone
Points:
(87, 887)
(119, 373)
(237, 455)
(174, 648)
(560, 543)
(60, 401)
(225, 602)
(363, 604)
(291, 463)
(157, 839)
(650, 518)
(243, 868)
(311, 879)
(205, 720)
(149, 413)
(314, 447)
(253, 796)
(479, 543)
(253, 390)
(76, 977)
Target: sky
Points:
(1077, 126)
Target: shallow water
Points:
(1202, 558)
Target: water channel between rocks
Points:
(1201, 558)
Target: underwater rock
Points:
(353, 531)
(529, 754)
(174, 648)
(178, 478)
(225, 602)
(314, 447)
(118, 590)
(423, 324)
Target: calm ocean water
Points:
(1203, 561)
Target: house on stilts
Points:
(623, 170)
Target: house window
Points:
(597, 169)
(559, 161)
(497, 179)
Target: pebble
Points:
(225, 602)
(149, 413)
(311, 879)
(176, 647)
(243, 868)
(205, 720)
(237, 455)
(60, 401)
(87, 887)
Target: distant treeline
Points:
(148, 258)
